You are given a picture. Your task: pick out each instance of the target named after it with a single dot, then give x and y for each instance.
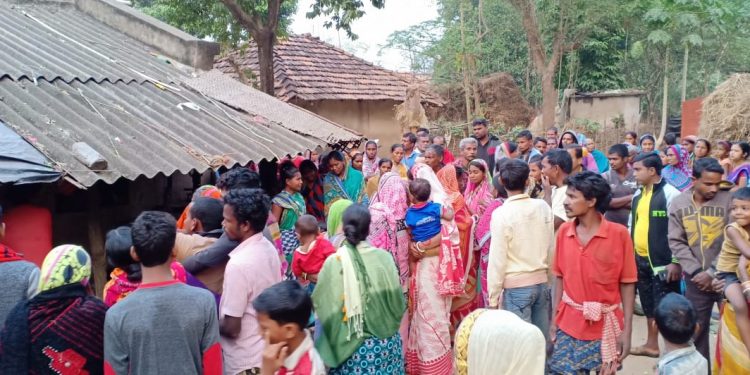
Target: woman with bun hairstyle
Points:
(288, 206)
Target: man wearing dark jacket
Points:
(697, 218)
(486, 143)
(658, 271)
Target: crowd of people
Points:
(513, 256)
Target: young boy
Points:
(152, 331)
(282, 312)
(314, 248)
(676, 321)
(423, 217)
(736, 246)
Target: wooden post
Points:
(96, 240)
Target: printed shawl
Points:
(314, 200)
(478, 196)
(370, 167)
(387, 231)
(294, 207)
(351, 187)
(678, 175)
(358, 295)
(738, 172)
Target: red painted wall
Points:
(691, 116)
(28, 230)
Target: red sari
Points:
(469, 301)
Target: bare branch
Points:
(252, 24)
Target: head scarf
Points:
(209, 191)
(336, 216)
(479, 195)
(678, 175)
(448, 178)
(575, 138)
(438, 194)
(387, 209)
(479, 348)
(65, 265)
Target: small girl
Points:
(535, 189)
(732, 263)
(126, 275)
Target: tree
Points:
(231, 21)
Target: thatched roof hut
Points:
(726, 111)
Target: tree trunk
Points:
(549, 99)
(664, 100)
(265, 40)
(465, 70)
(685, 72)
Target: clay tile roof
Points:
(306, 68)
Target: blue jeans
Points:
(531, 303)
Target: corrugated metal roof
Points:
(139, 128)
(68, 44)
(66, 77)
(228, 90)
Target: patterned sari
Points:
(478, 196)
(482, 237)
(467, 302)
(679, 175)
(293, 206)
(314, 200)
(351, 187)
(739, 172)
(731, 355)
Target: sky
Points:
(373, 29)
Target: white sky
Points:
(373, 29)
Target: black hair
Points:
(395, 146)
(307, 166)
(360, 154)
(499, 188)
(650, 160)
(356, 223)
(371, 143)
(117, 246)
(437, 149)
(554, 128)
(706, 142)
(460, 171)
(592, 186)
(540, 139)
(690, 140)
(154, 235)
(525, 134)
(420, 189)
(287, 171)
(706, 165)
(632, 134)
(250, 206)
(745, 147)
(620, 150)
(577, 147)
(560, 158)
(306, 224)
(647, 136)
(383, 161)
(670, 139)
(479, 121)
(411, 137)
(1, 213)
(536, 159)
(335, 155)
(239, 178)
(512, 146)
(423, 130)
(210, 212)
(742, 194)
(675, 317)
(514, 174)
(575, 138)
(478, 164)
(284, 303)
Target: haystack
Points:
(726, 111)
(410, 114)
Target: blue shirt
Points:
(410, 159)
(424, 221)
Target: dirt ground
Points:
(643, 365)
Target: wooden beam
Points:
(96, 240)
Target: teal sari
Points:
(351, 187)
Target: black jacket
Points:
(658, 244)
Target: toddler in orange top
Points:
(314, 248)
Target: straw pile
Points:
(726, 112)
(410, 114)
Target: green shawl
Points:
(294, 207)
(335, 218)
(351, 187)
(384, 303)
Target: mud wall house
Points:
(106, 112)
(331, 83)
(616, 109)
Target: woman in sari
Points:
(61, 329)
(740, 166)
(482, 349)
(482, 237)
(312, 190)
(478, 192)
(370, 162)
(335, 224)
(360, 304)
(436, 278)
(468, 301)
(287, 207)
(342, 182)
(677, 171)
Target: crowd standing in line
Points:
(513, 256)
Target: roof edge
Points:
(167, 39)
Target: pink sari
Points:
(387, 228)
(483, 244)
(434, 282)
(478, 196)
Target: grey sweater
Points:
(20, 281)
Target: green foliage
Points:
(341, 13)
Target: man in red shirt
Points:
(595, 268)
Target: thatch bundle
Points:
(726, 112)
(410, 114)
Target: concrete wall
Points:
(374, 119)
(603, 109)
